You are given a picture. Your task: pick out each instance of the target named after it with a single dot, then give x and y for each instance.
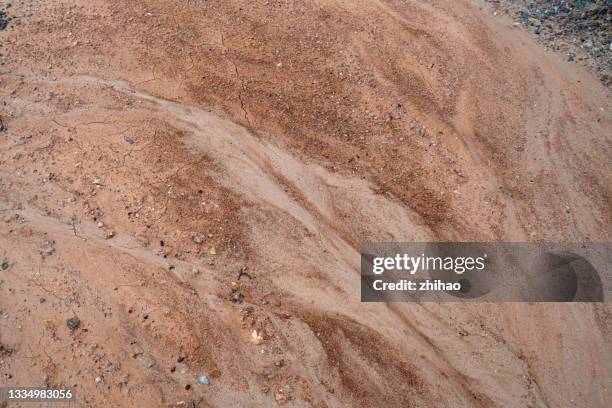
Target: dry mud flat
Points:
(191, 181)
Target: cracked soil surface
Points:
(192, 179)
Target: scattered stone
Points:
(195, 237)
(256, 337)
(128, 139)
(99, 380)
(237, 297)
(112, 367)
(579, 27)
(150, 362)
(2, 125)
(50, 97)
(49, 248)
(5, 264)
(180, 359)
(203, 379)
(195, 270)
(73, 323)
(109, 234)
(3, 20)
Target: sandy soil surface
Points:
(191, 181)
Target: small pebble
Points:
(203, 379)
(73, 323)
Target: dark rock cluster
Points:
(3, 20)
(582, 29)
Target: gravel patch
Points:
(581, 29)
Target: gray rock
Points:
(49, 248)
(3, 20)
(195, 237)
(73, 323)
(237, 297)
